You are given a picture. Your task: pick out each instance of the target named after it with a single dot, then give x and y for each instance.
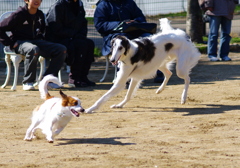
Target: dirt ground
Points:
(152, 130)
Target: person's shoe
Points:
(214, 59)
(53, 86)
(28, 86)
(71, 85)
(87, 81)
(226, 59)
(80, 84)
(90, 83)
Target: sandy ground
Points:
(152, 130)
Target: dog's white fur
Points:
(171, 44)
(55, 113)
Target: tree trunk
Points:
(194, 24)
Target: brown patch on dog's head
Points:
(67, 100)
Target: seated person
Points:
(109, 14)
(67, 25)
(27, 25)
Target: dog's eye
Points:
(120, 48)
(76, 103)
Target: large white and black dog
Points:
(140, 58)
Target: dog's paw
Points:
(50, 141)
(159, 91)
(27, 139)
(115, 106)
(183, 102)
(88, 111)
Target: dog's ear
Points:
(113, 41)
(62, 94)
(125, 43)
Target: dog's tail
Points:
(43, 89)
(165, 25)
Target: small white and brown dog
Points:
(55, 113)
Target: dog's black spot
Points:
(124, 43)
(168, 46)
(146, 51)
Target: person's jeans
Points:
(214, 24)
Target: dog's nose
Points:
(82, 110)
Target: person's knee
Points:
(62, 48)
(90, 43)
(33, 52)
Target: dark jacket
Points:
(109, 13)
(63, 24)
(23, 26)
(221, 7)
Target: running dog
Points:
(140, 58)
(55, 113)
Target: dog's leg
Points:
(183, 72)
(133, 86)
(167, 75)
(47, 130)
(30, 131)
(49, 136)
(57, 131)
(115, 89)
(118, 86)
(185, 90)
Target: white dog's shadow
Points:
(109, 141)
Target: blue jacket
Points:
(109, 13)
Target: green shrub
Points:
(97, 52)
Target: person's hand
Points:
(130, 21)
(210, 8)
(15, 44)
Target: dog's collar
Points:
(61, 114)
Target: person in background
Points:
(111, 13)
(220, 13)
(67, 25)
(27, 25)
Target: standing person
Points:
(67, 25)
(111, 13)
(220, 13)
(27, 25)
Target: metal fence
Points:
(149, 8)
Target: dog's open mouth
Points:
(75, 112)
(115, 62)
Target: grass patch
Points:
(233, 40)
(169, 15)
(97, 52)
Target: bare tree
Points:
(194, 23)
